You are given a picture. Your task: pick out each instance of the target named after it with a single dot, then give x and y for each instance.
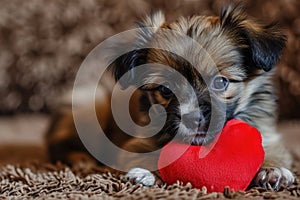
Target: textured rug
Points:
(25, 174)
(47, 181)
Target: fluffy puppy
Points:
(233, 69)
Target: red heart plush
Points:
(233, 161)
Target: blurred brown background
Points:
(44, 42)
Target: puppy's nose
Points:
(192, 120)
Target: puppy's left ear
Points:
(262, 44)
(123, 66)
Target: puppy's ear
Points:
(262, 44)
(138, 56)
(126, 63)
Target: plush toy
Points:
(233, 160)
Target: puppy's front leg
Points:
(275, 171)
(139, 159)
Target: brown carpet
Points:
(24, 172)
(44, 181)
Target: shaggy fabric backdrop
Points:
(43, 43)
(44, 181)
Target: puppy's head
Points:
(221, 56)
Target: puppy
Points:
(232, 68)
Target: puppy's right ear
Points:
(262, 44)
(125, 64)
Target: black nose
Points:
(192, 120)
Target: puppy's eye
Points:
(165, 90)
(220, 83)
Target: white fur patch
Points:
(141, 175)
(188, 105)
(156, 20)
(287, 175)
(187, 108)
(277, 177)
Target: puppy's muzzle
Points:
(193, 120)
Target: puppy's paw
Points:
(274, 177)
(140, 175)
